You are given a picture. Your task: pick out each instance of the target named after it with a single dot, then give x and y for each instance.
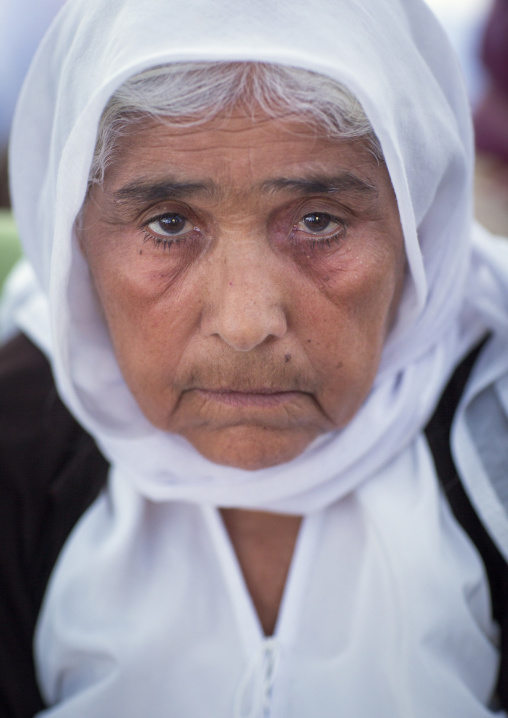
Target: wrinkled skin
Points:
(249, 270)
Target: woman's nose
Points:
(245, 305)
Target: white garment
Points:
(165, 575)
(410, 634)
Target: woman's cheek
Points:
(142, 275)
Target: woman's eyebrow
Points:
(322, 184)
(142, 191)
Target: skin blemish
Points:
(287, 357)
(140, 251)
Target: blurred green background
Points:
(10, 250)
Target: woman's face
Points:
(249, 270)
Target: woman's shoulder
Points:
(50, 472)
(31, 410)
(38, 435)
(50, 468)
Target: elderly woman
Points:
(254, 275)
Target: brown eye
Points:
(170, 225)
(320, 225)
(316, 222)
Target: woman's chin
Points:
(251, 447)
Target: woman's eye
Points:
(318, 229)
(319, 224)
(170, 225)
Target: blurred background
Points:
(478, 29)
(22, 25)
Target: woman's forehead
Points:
(259, 151)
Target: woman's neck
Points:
(264, 544)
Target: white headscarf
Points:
(395, 58)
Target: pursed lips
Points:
(259, 397)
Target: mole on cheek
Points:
(287, 357)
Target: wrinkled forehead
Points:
(225, 96)
(153, 150)
(237, 159)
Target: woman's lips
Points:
(256, 398)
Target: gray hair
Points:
(191, 93)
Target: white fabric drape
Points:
(148, 614)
